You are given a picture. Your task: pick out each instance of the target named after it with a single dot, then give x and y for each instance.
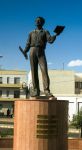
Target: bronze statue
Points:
(36, 42)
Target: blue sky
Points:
(17, 20)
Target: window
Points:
(80, 85)
(0, 93)
(7, 93)
(17, 94)
(16, 80)
(1, 106)
(0, 80)
(8, 80)
(77, 84)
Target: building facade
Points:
(11, 82)
(61, 82)
(65, 85)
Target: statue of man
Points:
(36, 42)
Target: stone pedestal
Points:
(40, 125)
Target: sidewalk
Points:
(6, 123)
(7, 119)
(6, 148)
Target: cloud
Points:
(50, 63)
(74, 63)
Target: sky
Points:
(17, 21)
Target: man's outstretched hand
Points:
(22, 51)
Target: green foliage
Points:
(77, 120)
(4, 132)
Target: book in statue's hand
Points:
(59, 29)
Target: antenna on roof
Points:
(63, 65)
(0, 65)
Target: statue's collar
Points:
(39, 30)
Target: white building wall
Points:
(22, 94)
(62, 82)
(12, 74)
(4, 93)
(23, 78)
(75, 104)
(11, 93)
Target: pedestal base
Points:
(40, 125)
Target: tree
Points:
(77, 120)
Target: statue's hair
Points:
(42, 19)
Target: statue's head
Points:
(39, 21)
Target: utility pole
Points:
(63, 66)
(1, 65)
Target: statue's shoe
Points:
(52, 98)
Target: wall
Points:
(73, 144)
(61, 81)
(6, 143)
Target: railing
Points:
(11, 85)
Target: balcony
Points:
(10, 85)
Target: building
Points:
(11, 82)
(78, 83)
(61, 82)
(65, 85)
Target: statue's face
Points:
(39, 22)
